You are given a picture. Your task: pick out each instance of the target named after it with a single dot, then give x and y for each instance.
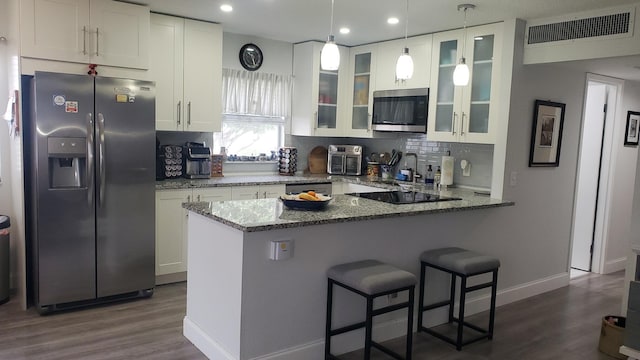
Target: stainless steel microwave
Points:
(400, 110)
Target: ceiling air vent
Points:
(606, 25)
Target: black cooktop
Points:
(403, 197)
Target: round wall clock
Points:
(251, 57)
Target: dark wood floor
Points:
(562, 324)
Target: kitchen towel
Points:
(447, 170)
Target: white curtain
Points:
(255, 93)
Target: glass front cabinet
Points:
(465, 113)
(362, 81)
(318, 94)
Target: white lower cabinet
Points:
(171, 231)
(171, 225)
(257, 192)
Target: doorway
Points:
(588, 235)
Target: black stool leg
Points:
(327, 334)
(368, 328)
(463, 293)
(452, 296)
(410, 324)
(421, 296)
(492, 311)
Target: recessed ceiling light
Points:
(345, 30)
(393, 20)
(226, 8)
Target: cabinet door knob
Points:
(188, 198)
(198, 198)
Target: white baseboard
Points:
(614, 265)
(310, 351)
(382, 331)
(203, 342)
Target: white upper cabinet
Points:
(362, 79)
(319, 101)
(103, 32)
(465, 113)
(186, 64)
(388, 53)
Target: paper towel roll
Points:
(447, 170)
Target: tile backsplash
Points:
(480, 156)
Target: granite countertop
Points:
(173, 184)
(271, 214)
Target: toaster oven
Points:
(344, 160)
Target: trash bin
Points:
(4, 258)
(611, 336)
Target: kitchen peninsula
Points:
(242, 305)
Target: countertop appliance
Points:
(403, 197)
(90, 189)
(197, 161)
(402, 110)
(344, 160)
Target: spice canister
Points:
(373, 170)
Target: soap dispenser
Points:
(436, 179)
(429, 175)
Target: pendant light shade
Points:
(461, 72)
(404, 66)
(330, 54)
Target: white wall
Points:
(544, 196)
(621, 185)
(278, 55)
(5, 185)
(16, 208)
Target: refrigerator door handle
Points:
(101, 159)
(91, 187)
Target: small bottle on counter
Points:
(428, 175)
(436, 179)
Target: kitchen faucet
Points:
(414, 170)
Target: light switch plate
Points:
(513, 180)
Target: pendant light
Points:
(330, 54)
(461, 73)
(404, 65)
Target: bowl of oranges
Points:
(309, 200)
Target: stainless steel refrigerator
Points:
(92, 189)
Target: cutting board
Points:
(318, 160)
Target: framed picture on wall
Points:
(546, 133)
(631, 131)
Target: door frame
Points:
(605, 187)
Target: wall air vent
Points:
(597, 26)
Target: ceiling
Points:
(300, 20)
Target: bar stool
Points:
(464, 264)
(370, 279)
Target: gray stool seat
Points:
(461, 261)
(464, 264)
(370, 279)
(371, 276)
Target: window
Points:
(249, 137)
(255, 108)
